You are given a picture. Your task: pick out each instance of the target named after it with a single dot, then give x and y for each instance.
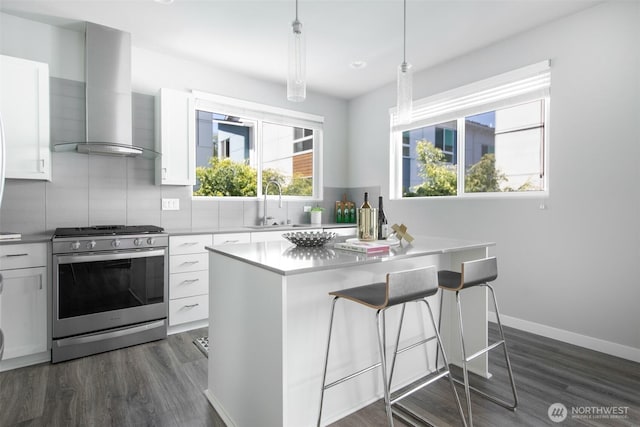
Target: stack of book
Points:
(368, 248)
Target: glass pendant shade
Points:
(405, 93)
(296, 81)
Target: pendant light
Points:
(296, 81)
(405, 81)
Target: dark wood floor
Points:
(546, 372)
(155, 384)
(161, 383)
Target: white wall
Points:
(63, 50)
(81, 184)
(571, 270)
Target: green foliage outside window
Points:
(483, 177)
(224, 177)
(440, 176)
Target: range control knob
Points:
(115, 243)
(151, 241)
(75, 245)
(138, 242)
(91, 244)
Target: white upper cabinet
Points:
(175, 138)
(24, 105)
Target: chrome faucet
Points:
(266, 189)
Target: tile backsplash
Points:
(94, 190)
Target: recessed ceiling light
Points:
(356, 65)
(164, 1)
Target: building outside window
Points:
(238, 153)
(493, 141)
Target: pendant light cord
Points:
(404, 40)
(296, 22)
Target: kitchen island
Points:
(268, 325)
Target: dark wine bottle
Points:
(383, 227)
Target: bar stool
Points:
(400, 288)
(476, 273)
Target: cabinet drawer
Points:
(188, 284)
(231, 238)
(23, 256)
(188, 309)
(190, 262)
(192, 244)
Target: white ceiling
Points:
(251, 36)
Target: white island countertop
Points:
(269, 307)
(287, 259)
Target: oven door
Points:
(98, 291)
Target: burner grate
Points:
(106, 230)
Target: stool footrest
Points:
(432, 379)
(409, 347)
(496, 400)
(355, 374)
(485, 350)
(411, 414)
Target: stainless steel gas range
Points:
(110, 287)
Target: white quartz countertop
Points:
(286, 259)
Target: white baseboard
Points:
(608, 347)
(184, 327)
(21, 362)
(226, 418)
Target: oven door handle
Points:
(69, 259)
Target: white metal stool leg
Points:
(465, 372)
(396, 400)
(466, 359)
(326, 361)
(382, 344)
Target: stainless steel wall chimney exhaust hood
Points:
(108, 95)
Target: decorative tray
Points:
(309, 252)
(309, 238)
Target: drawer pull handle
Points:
(231, 241)
(15, 255)
(189, 281)
(189, 243)
(191, 305)
(190, 262)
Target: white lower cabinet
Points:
(188, 309)
(23, 300)
(231, 238)
(188, 279)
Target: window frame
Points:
(260, 114)
(450, 106)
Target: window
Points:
(241, 146)
(288, 158)
(486, 138)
